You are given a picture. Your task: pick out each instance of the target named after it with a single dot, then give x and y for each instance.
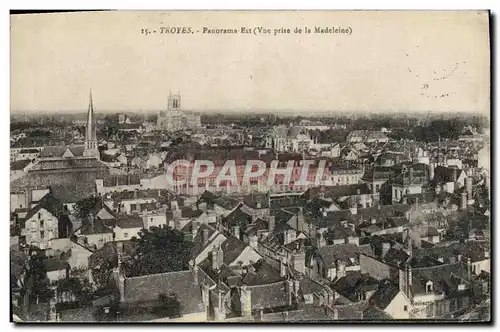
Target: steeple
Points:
(90, 132)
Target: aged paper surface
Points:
(255, 166)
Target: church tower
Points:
(90, 133)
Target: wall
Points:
(483, 265)
(79, 256)
(247, 257)
(395, 309)
(33, 228)
(122, 234)
(37, 194)
(98, 239)
(56, 275)
(18, 201)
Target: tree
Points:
(160, 249)
(84, 207)
(79, 289)
(34, 283)
(169, 306)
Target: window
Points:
(429, 287)
(42, 234)
(39, 215)
(41, 224)
(364, 296)
(405, 308)
(377, 188)
(126, 235)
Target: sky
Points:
(392, 61)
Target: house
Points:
(437, 291)
(334, 261)
(355, 286)
(97, 229)
(408, 179)
(75, 254)
(448, 179)
(140, 298)
(127, 226)
(367, 136)
(44, 222)
(389, 298)
(29, 154)
(56, 269)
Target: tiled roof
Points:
(148, 289)
(61, 177)
(73, 193)
(198, 244)
(445, 278)
(342, 252)
(354, 283)
(237, 217)
(100, 227)
(129, 221)
(261, 273)
(19, 165)
(54, 264)
(49, 203)
(384, 294)
(269, 296)
(232, 248)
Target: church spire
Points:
(90, 131)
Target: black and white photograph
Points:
(250, 167)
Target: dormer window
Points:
(429, 287)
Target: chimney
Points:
(468, 187)
(431, 171)
(299, 261)
(335, 314)
(246, 301)
(340, 269)
(454, 175)
(215, 259)
(194, 269)
(205, 236)
(354, 207)
(411, 173)
(385, 248)
(272, 223)
(463, 201)
(321, 238)
(296, 287)
(92, 222)
(469, 268)
(236, 231)
(300, 219)
(253, 241)
(194, 228)
(289, 291)
(282, 267)
(410, 275)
